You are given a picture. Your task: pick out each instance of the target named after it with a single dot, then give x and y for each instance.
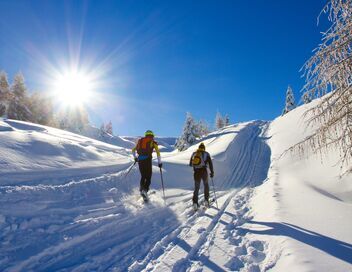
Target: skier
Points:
(145, 147)
(199, 161)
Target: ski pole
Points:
(129, 169)
(162, 182)
(216, 200)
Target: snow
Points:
(309, 215)
(95, 133)
(29, 151)
(67, 204)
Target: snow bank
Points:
(30, 152)
(304, 209)
(95, 133)
(274, 212)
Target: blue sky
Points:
(156, 60)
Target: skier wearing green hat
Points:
(145, 147)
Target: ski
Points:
(203, 206)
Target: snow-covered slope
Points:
(273, 212)
(100, 224)
(95, 133)
(30, 152)
(304, 208)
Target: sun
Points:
(73, 88)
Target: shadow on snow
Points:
(334, 247)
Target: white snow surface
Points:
(76, 209)
(304, 209)
(30, 152)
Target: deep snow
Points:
(307, 215)
(30, 152)
(66, 204)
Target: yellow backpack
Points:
(197, 159)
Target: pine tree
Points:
(102, 132)
(73, 119)
(108, 128)
(306, 98)
(201, 129)
(4, 93)
(41, 107)
(219, 121)
(18, 106)
(188, 136)
(227, 120)
(290, 101)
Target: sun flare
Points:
(73, 88)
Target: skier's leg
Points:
(142, 170)
(197, 179)
(206, 185)
(148, 174)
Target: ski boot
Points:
(195, 206)
(144, 195)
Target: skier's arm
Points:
(190, 160)
(210, 162)
(157, 152)
(134, 152)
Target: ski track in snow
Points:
(101, 224)
(187, 248)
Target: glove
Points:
(135, 159)
(212, 174)
(160, 165)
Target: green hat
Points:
(149, 133)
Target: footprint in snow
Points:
(240, 250)
(257, 245)
(234, 264)
(253, 268)
(201, 230)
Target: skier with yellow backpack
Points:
(199, 161)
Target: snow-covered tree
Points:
(290, 101)
(329, 70)
(108, 128)
(219, 121)
(306, 98)
(18, 105)
(41, 108)
(4, 93)
(201, 129)
(188, 136)
(2, 109)
(73, 119)
(227, 120)
(102, 131)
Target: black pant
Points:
(199, 175)
(145, 167)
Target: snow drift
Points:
(304, 209)
(66, 204)
(30, 152)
